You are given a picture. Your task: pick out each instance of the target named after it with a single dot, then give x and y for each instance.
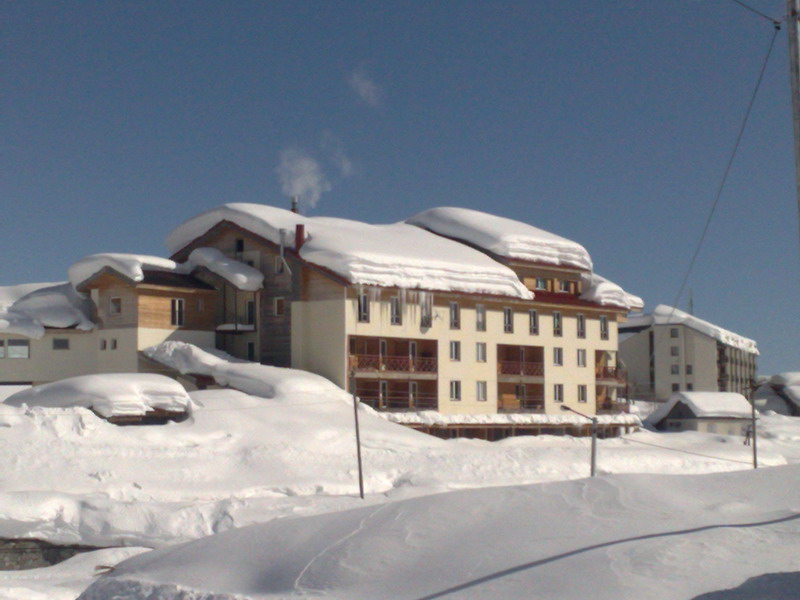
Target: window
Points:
(558, 356)
(673, 332)
(519, 391)
(581, 357)
(480, 391)
(582, 393)
(2, 348)
(480, 352)
(563, 286)
(113, 343)
(581, 319)
(278, 266)
(396, 314)
(675, 369)
(103, 344)
(480, 317)
(239, 245)
(279, 306)
(60, 343)
(603, 327)
(455, 350)
(426, 312)
(676, 387)
(558, 392)
(250, 312)
(690, 386)
(674, 351)
(251, 351)
(383, 349)
(455, 316)
(508, 320)
(412, 392)
(363, 308)
(558, 329)
(533, 322)
(688, 369)
(18, 349)
(114, 306)
(455, 390)
(541, 283)
(177, 316)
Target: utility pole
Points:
(792, 15)
(593, 469)
(358, 435)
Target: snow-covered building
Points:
(726, 413)
(453, 311)
(669, 350)
(780, 393)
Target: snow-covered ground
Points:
(244, 459)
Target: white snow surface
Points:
(666, 315)
(503, 237)
(625, 537)
(395, 255)
(109, 394)
(706, 405)
(29, 309)
(607, 293)
(131, 266)
(432, 417)
(238, 274)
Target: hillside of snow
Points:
(614, 538)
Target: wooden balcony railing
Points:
(612, 408)
(402, 364)
(516, 367)
(400, 401)
(614, 373)
(533, 404)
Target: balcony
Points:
(529, 404)
(515, 367)
(400, 402)
(614, 374)
(393, 364)
(610, 407)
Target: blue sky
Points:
(609, 123)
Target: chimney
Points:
(299, 236)
(295, 209)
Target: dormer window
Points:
(239, 245)
(541, 283)
(564, 286)
(114, 306)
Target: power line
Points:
(744, 462)
(757, 12)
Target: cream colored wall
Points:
(319, 342)
(694, 348)
(469, 371)
(46, 364)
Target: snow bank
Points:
(607, 293)
(30, 308)
(109, 395)
(252, 378)
(666, 315)
(706, 405)
(608, 538)
(397, 255)
(131, 266)
(504, 237)
(434, 418)
(238, 274)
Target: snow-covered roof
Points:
(706, 405)
(109, 395)
(238, 274)
(435, 418)
(607, 293)
(130, 266)
(394, 255)
(504, 237)
(788, 383)
(28, 309)
(666, 315)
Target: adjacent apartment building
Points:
(669, 351)
(456, 322)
